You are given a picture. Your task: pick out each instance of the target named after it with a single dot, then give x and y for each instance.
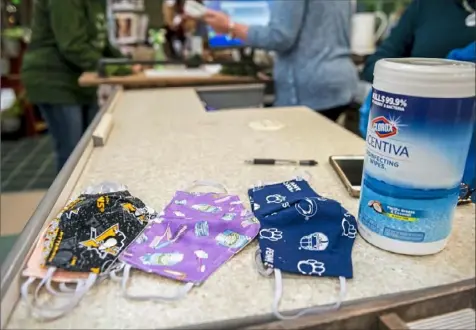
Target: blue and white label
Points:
(415, 158)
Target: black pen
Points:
(263, 161)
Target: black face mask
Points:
(92, 231)
(95, 228)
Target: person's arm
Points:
(70, 27)
(399, 43)
(283, 29)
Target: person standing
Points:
(426, 29)
(68, 38)
(311, 40)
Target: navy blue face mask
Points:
(302, 233)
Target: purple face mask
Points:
(195, 235)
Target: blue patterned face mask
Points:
(302, 233)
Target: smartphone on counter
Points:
(349, 169)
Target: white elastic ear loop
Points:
(51, 313)
(24, 289)
(114, 276)
(200, 183)
(74, 298)
(181, 293)
(278, 292)
(65, 288)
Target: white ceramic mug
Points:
(364, 34)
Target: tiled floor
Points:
(27, 171)
(27, 164)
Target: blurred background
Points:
(27, 155)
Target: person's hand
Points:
(136, 68)
(220, 22)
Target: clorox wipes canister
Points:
(420, 128)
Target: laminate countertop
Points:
(162, 140)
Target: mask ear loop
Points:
(57, 312)
(53, 313)
(64, 289)
(24, 289)
(278, 292)
(205, 183)
(181, 293)
(113, 273)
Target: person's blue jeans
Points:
(66, 124)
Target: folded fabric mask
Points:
(82, 243)
(197, 233)
(302, 233)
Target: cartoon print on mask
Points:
(348, 229)
(256, 206)
(129, 207)
(69, 214)
(200, 254)
(180, 202)
(250, 221)
(162, 259)
(63, 255)
(159, 243)
(179, 214)
(311, 267)
(291, 186)
(278, 199)
(108, 242)
(206, 208)
(271, 234)
(144, 214)
(307, 207)
(232, 240)
(269, 257)
(229, 216)
(101, 203)
(314, 242)
(201, 229)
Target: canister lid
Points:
(426, 65)
(426, 76)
